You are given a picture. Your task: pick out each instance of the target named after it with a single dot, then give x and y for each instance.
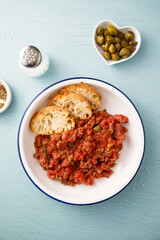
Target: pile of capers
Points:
(115, 43)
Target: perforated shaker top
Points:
(30, 56)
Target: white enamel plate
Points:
(127, 166)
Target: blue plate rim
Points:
(19, 153)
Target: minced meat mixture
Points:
(89, 151)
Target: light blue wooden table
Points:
(64, 30)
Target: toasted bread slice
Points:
(87, 91)
(75, 103)
(51, 120)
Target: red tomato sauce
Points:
(89, 151)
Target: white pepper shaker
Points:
(32, 61)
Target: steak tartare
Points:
(89, 151)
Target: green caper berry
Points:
(97, 128)
(124, 43)
(115, 57)
(106, 32)
(58, 178)
(100, 40)
(117, 39)
(112, 48)
(107, 55)
(45, 151)
(105, 47)
(131, 48)
(118, 46)
(129, 36)
(100, 31)
(133, 43)
(112, 30)
(69, 159)
(124, 53)
(70, 144)
(109, 39)
(120, 34)
(98, 153)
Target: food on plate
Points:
(50, 120)
(115, 42)
(74, 102)
(87, 91)
(86, 153)
(74, 145)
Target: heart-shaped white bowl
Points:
(104, 24)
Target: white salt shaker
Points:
(32, 61)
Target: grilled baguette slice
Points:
(87, 91)
(51, 120)
(75, 103)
